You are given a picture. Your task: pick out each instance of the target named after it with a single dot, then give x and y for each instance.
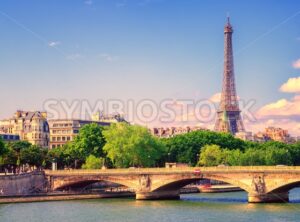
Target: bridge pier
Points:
(158, 195)
(274, 197)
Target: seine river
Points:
(192, 207)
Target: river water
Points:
(225, 207)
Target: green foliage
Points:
(10, 157)
(294, 151)
(234, 152)
(89, 141)
(232, 157)
(131, 145)
(57, 155)
(19, 145)
(71, 155)
(3, 149)
(184, 148)
(93, 162)
(270, 153)
(211, 155)
(251, 157)
(34, 156)
(124, 145)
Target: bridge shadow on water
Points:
(232, 197)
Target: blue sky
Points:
(135, 49)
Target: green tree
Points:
(34, 156)
(232, 157)
(16, 148)
(210, 155)
(184, 148)
(57, 155)
(252, 157)
(10, 157)
(89, 141)
(93, 162)
(131, 145)
(3, 149)
(19, 145)
(276, 156)
(294, 150)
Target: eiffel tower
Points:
(228, 115)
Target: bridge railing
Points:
(175, 170)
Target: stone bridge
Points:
(262, 183)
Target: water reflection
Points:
(225, 207)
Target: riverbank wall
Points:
(23, 184)
(50, 197)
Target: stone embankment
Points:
(33, 187)
(60, 197)
(23, 184)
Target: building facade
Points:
(247, 136)
(173, 131)
(278, 134)
(65, 130)
(31, 126)
(9, 137)
(114, 118)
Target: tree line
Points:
(121, 145)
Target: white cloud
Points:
(291, 86)
(74, 56)
(296, 64)
(108, 57)
(53, 43)
(216, 98)
(282, 107)
(88, 2)
(284, 113)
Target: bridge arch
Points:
(284, 186)
(77, 184)
(176, 184)
(59, 183)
